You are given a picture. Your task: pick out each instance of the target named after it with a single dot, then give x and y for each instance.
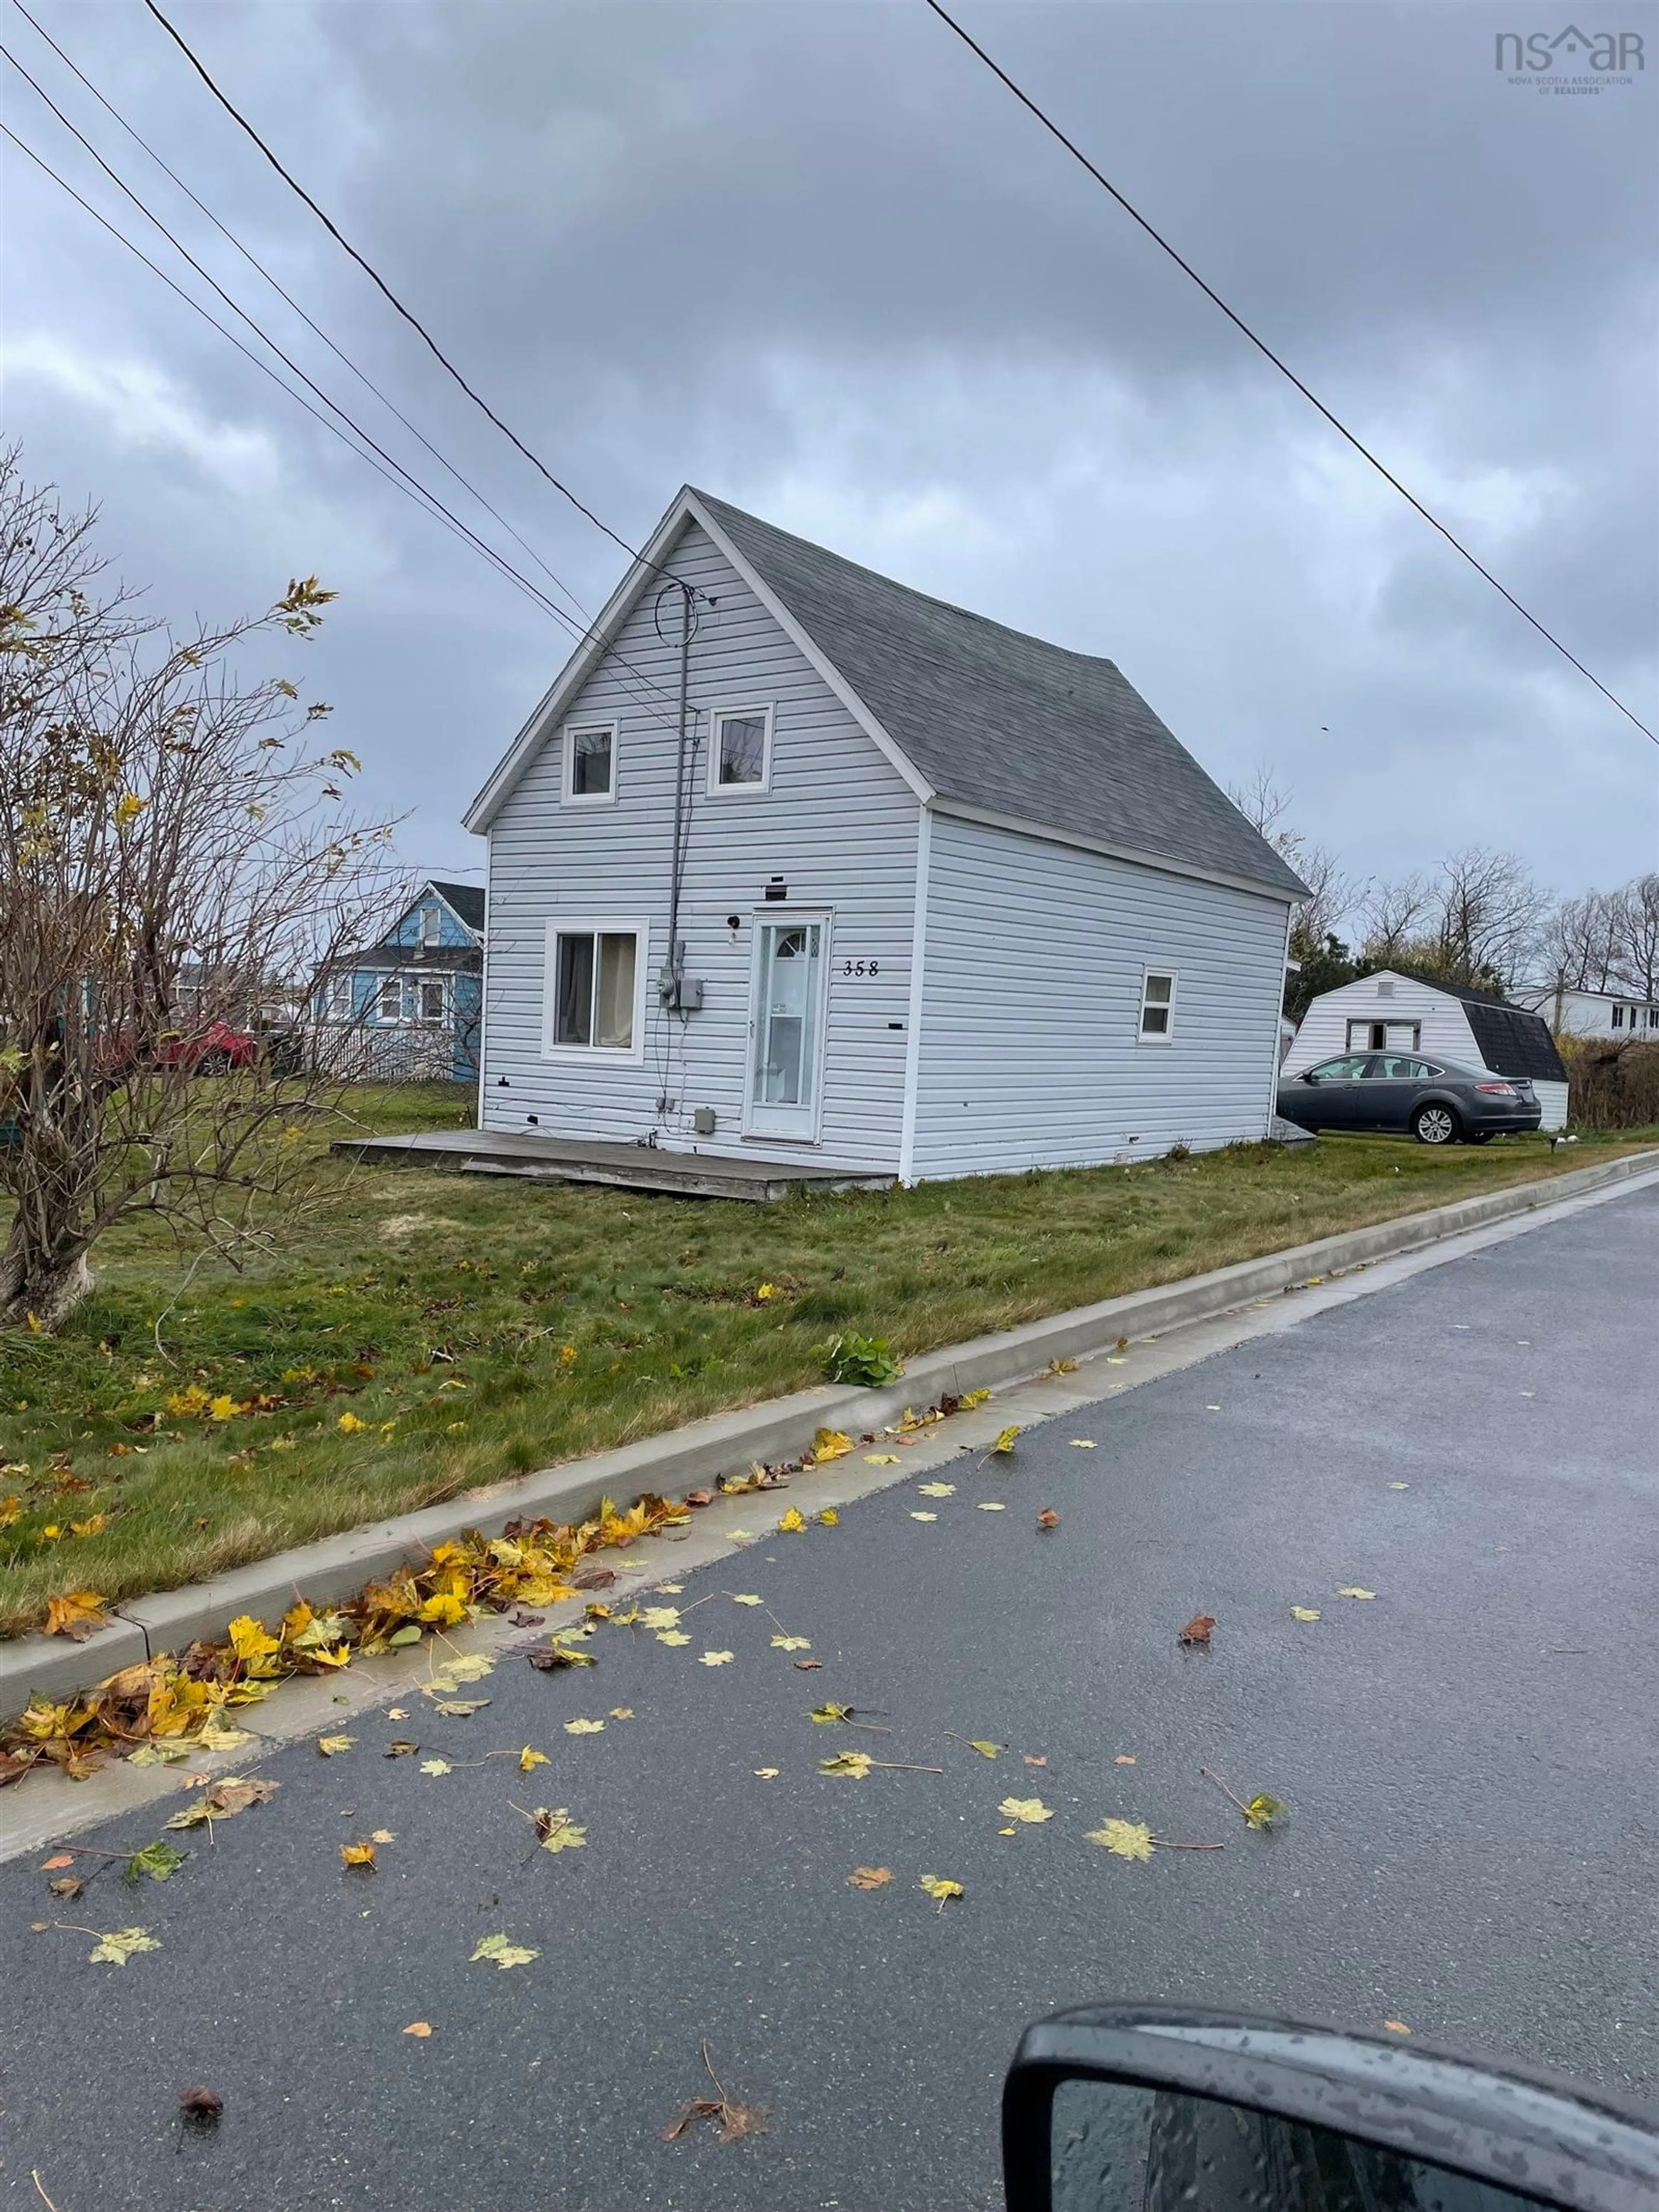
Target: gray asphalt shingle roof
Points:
(993, 718)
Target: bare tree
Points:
(1488, 914)
(1636, 940)
(1392, 919)
(1264, 804)
(171, 848)
(1580, 942)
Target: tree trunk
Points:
(41, 1289)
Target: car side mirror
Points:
(1310, 1077)
(1144, 2109)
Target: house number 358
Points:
(860, 968)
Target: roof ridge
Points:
(893, 584)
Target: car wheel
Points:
(213, 1063)
(1436, 1124)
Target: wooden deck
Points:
(624, 1167)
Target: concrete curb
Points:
(781, 1428)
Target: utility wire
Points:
(1262, 347)
(408, 314)
(411, 489)
(580, 631)
(277, 286)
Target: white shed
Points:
(1391, 1013)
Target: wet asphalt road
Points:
(1469, 1758)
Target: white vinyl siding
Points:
(836, 824)
(1035, 961)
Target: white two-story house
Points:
(796, 861)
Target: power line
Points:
(580, 631)
(1262, 347)
(277, 286)
(408, 314)
(411, 489)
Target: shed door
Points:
(786, 1026)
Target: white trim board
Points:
(913, 1012)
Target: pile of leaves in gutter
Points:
(163, 1708)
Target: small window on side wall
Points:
(590, 764)
(1157, 992)
(392, 999)
(740, 749)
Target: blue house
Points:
(409, 1008)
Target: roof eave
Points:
(965, 810)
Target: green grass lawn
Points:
(464, 1328)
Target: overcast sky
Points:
(814, 259)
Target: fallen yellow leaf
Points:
(350, 1426)
(942, 1888)
(1030, 1809)
(1083, 1443)
(1303, 1612)
(830, 1444)
(828, 1518)
(1005, 1440)
(792, 1523)
(580, 1728)
(436, 1766)
(745, 1597)
(528, 1758)
(924, 1517)
(856, 1763)
(498, 1952)
(881, 1459)
(672, 1636)
(77, 1614)
(659, 1616)
(1396, 2027)
(420, 2027)
(936, 1489)
(622, 1712)
(715, 1659)
(1353, 1590)
(992, 1505)
(357, 1855)
(383, 1836)
(1125, 1839)
(791, 1643)
(329, 1745)
(767, 1773)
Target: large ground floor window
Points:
(594, 975)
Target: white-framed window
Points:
(740, 750)
(1619, 1017)
(589, 763)
(431, 923)
(1157, 1000)
(594, 1001)
(391, 1002)
(434, 997)
(339, 998)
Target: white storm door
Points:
(786, 1025)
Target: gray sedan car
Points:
(1436, 1100)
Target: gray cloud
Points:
(816, 258)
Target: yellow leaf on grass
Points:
(791, 1523)
(1030, 1809)
(1353, 1590)
(357, 1855)
(95, 1525)
(870, 1877)
(830, 1444)
(941, 1888)
(582, 1727)
(881, 1459)
(328, 1745)
(1303, 1612)
(350, 1426)
(715, 1659)
(500, 1952)
(528, 1758)
(936, 1489)
(791, 1643)
(120, 1945)
(765, 1289)
(222, 1409)
(1125, 1840)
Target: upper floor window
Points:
(589, 763)
(1158, 991)
(431, 925)
(740, 749)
